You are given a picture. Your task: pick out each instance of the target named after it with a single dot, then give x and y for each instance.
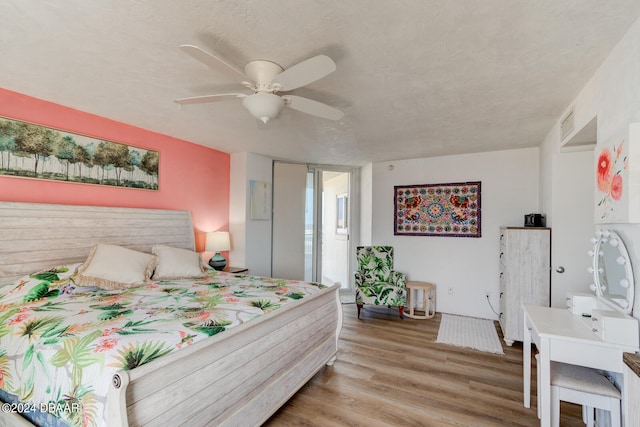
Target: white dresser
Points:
(525, 275)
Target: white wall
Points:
(468, 265)
(238, 210)
(613, 96)
(250, 239)
(335, 247)
(366, 201)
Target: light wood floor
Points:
(390, 372)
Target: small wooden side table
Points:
(428, 299)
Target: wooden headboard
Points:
(36, 236)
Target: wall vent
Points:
(566, 125)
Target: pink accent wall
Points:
(192, 177)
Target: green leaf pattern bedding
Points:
(61, 343)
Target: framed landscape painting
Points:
(32, 151)
(451, 209)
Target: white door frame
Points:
(354, 214)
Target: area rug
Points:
(469, 332)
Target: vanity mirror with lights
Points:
(613, 283)
(612, 272)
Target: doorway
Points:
(323, 228)
(572, 214)
(332, 227)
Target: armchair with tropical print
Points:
(376, 282)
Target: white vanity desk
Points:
(564, 337)
(596, 339)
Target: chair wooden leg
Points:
(359, 308)
(401, 308)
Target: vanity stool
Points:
(583, 386)
(428, 299)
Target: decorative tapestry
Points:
(437, 210)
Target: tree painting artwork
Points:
(32, 151)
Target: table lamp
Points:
(217, 242)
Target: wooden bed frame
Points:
(240, 377)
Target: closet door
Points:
(289, 192)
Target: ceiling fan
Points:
(266, 79)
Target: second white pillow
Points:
(176, 263)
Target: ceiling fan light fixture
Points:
(263, 106)
(266, 79)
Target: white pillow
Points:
(176, 263)
(115, 267)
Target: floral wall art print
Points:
(617, 192)
(451, 209)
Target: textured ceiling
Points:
(415, 78)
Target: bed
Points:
(239, 375)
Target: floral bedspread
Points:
(60, 343)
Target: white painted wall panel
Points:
(613, 96)
(250, 239)
(467, 265)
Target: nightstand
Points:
(235, 270)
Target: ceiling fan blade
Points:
(209, 98)
(312, 107)
(305, 72)
(213, 62)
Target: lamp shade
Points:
(263, 106)
(218, 241)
